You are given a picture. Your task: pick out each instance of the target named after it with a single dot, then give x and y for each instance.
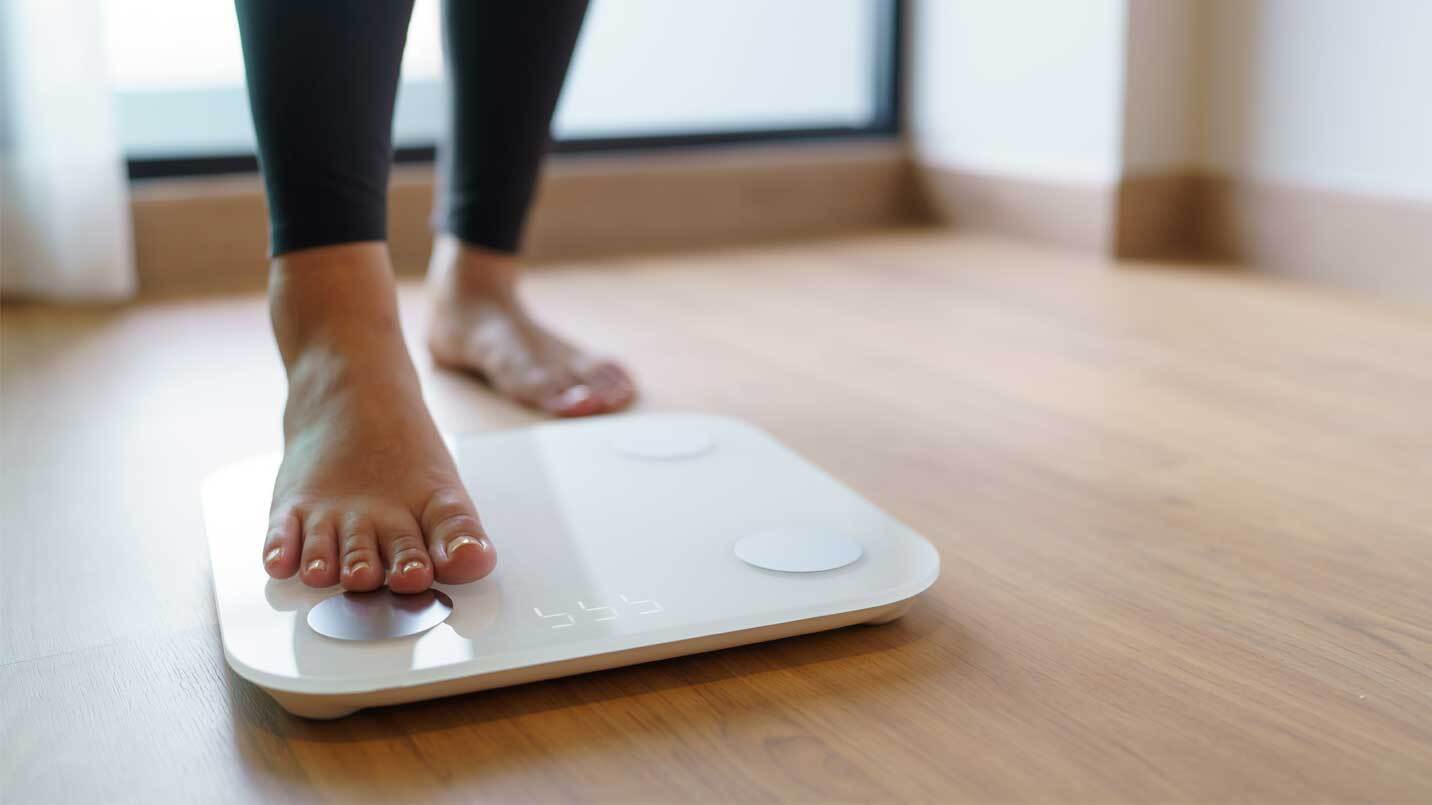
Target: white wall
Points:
(1024, 88)
(1330, 94)
(1325, 93)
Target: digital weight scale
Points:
(619, 539)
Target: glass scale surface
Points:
(619, 539)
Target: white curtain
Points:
(65, 231)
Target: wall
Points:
(1315, 160)
(1018, 87)
(1015, 114)
(1288, 135)
(1322, 93)
(1329, 94)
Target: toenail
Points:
(576, 395)
(357, 567)
(317, 566)
(409, 567)
(462, 542)
(273, 556)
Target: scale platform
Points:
(620, 540)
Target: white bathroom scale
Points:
(620, 540)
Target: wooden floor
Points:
(1185, 520)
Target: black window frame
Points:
(887, 123)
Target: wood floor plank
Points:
(1185, 518)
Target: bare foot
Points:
(367, 490)
(479, 325)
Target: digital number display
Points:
(596, 614)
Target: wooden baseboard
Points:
(1331, 237)
(211, 233)
(1146, 216)
(1065, 214)
(1369, 243)
(1377, 244)
(1159, 216)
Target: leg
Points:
(507, 61)
(367, 491)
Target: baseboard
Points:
(1159, 216)
(1372, 243)
(1074, 215)
(1145, 216)
(208, 234)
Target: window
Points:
(646, 73)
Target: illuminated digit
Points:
(586, 608)
(655, 607)
(571, 621)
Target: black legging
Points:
(322, 77)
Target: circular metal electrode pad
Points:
(798, 550)
(660, 442)
(379, 614)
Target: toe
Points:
(622, 378)
(361, 567)
(460, 550)
(576, 400)
(319, 564)
(612, 385)
(606, 391)
(410, 569)
(280, 554)
(557, 391)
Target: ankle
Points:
(334, 300)
(462, 272)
